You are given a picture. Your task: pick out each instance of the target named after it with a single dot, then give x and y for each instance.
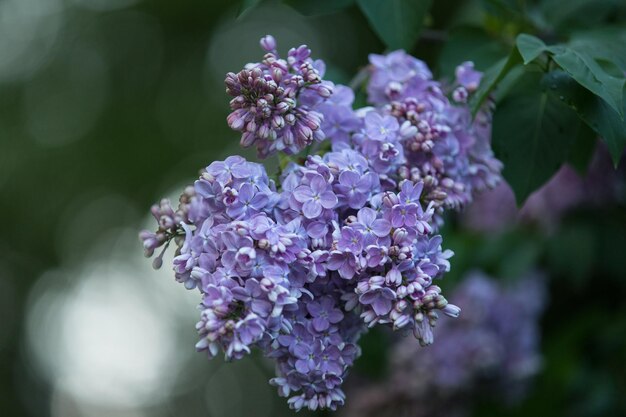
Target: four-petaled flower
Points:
(231, 167)
(371, 227)
(324, 313)
(248, 201)
(351, 240)
(381, 128)
(355, 189)
(315, 196)
(380, 298)
(404, 215)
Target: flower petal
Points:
(311, 209)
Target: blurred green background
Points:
(107, 105)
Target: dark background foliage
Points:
(107, 105)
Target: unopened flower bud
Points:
(268, 43)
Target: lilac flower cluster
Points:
(301, 272)
(440, 143)
(299, 266)
(380, 241)
(416, 132)
(273, 101)
(492, 350)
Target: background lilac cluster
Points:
(300, 265)
(491, 351)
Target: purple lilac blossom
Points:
(416, 132)
(395, 75)
(273, 101)
(299, 267)
(444, 147)
(491, 351)
(300, 270)
(339, 120)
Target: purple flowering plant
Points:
(344, 238)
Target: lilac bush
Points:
(300, 265)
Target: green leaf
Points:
(588, 73)
(492, 77)
(397, 22)
(582, 148)
(530, 47)
(319, 7)
(599, 75)
(532, 135)
(605, 44)
(507, 83)
(246, 5)
(594, 111)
